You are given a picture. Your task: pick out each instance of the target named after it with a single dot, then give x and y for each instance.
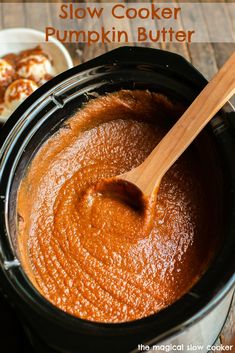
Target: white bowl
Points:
(13, 40)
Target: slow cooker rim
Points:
(168, 60)
(139, 322)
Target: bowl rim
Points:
(40, 35)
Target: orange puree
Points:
(87, 252)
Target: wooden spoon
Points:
(139, 187)
(146, 178)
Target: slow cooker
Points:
(199, 315)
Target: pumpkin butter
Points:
(89, 253)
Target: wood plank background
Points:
(206, 57)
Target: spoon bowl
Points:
(123, 191)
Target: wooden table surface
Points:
(206, 57)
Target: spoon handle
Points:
(217, 92)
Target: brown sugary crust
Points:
(11, 76)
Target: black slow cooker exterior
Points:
(41, 115)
